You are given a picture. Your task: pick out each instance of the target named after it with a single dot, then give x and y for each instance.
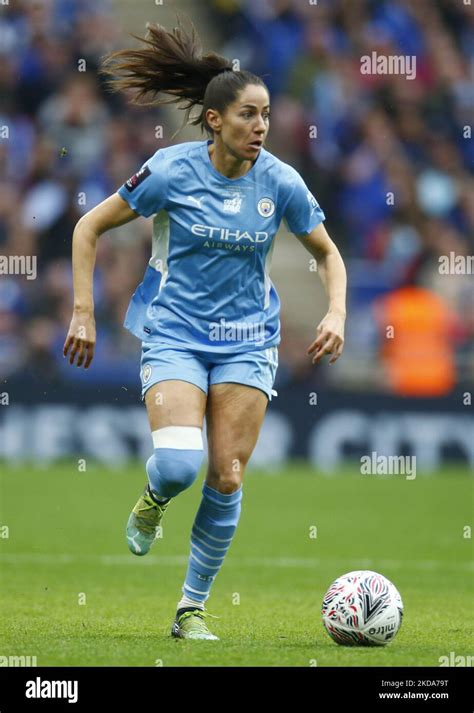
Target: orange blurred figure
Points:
(418, 352)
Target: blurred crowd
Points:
(389, 159)
(70, 144)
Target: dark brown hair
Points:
(172, 63)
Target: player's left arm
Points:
(331, 269)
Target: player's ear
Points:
(213, 119)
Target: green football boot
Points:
(190, 624)
(143, 523)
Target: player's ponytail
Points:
(172, 63)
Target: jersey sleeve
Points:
(146, 192)
(302, 211)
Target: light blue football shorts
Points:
(256, 367)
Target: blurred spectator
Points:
(417, 342)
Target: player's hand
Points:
(81, 338)
(330, 338)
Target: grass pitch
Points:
(72, 595)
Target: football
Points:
(362, 608)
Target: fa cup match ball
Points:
(362, 608)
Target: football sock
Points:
(211, 535)
(188, 603)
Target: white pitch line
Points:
(282, 562)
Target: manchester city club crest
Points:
(146, 374)
(266, 207)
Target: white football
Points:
(362, 608)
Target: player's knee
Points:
(170, 471)
(226, 479)
(228, 485)
(176, 461)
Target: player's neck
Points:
(228, 165)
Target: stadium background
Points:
(67, 144)
(387, 158)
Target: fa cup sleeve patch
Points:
(135, 180)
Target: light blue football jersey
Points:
(207, 285)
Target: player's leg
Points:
(234, 416)
(175, 413)
(175, 408)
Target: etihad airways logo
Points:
(208, 231)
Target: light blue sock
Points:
(212, 533)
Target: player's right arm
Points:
(111, 213)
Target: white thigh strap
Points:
(182, 437)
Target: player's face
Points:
(245, 123)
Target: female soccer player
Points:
(206, 312)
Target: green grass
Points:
(66, 537)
